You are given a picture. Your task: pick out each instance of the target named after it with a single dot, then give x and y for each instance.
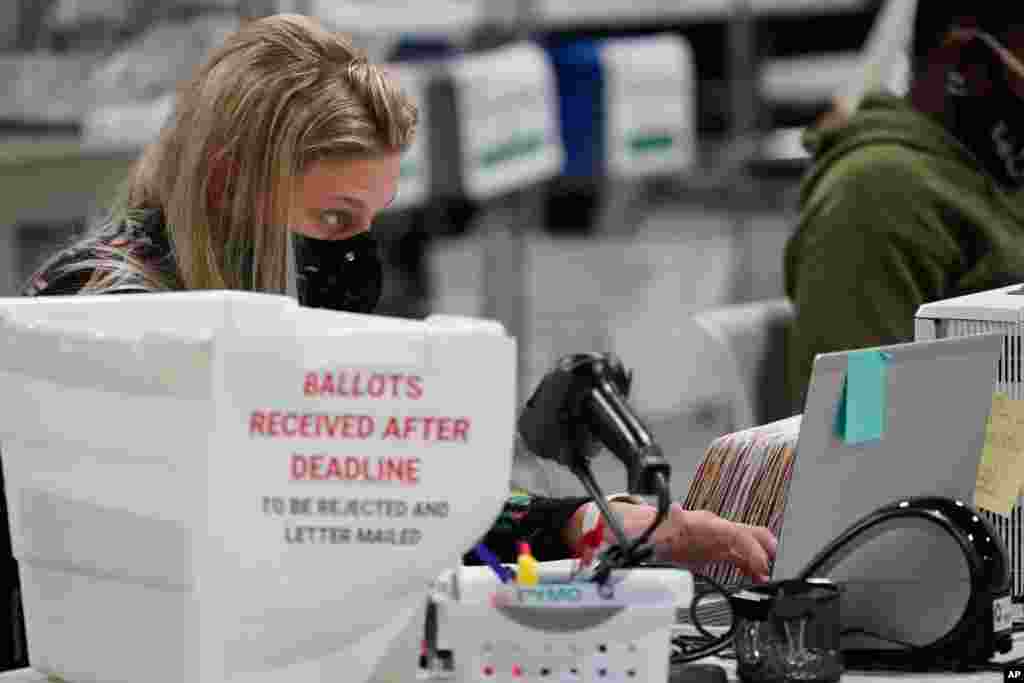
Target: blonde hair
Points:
(278, 95)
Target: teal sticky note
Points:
(840, 426)
(862, 404)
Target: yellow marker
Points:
(526, 568)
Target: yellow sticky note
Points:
(1001, 466)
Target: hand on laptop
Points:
(695, 537)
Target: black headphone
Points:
(973, 639)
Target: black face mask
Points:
(991, 126)
(342, 275)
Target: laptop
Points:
(939, 395)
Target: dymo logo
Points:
(549, 594)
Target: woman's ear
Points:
(941, 73)
(976, 67)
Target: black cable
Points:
(718, 643)
(581, 469)
(634, 553)
(626, 553)
(695, 620)
(664, 504)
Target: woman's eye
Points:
(334, 218)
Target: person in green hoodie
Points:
(913, 199)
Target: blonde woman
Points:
(287, 132)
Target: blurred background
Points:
(590, 172)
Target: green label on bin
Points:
(517, 147)
(650, 142)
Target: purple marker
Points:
(484, 553)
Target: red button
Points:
(517, 671)
(488, 670)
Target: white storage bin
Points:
(45, 87)
(651, 100)
(496, 128)
(159, 457)
(130, 125)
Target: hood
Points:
(880, 119)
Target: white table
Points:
(30, 676)
(980, 677)
(876, 676)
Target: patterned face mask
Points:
(991, 126)
(341, 275)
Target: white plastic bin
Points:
(170, 519)
(503, 135)
(651, 105)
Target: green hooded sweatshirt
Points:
(894, 213)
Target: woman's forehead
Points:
(371, 180)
